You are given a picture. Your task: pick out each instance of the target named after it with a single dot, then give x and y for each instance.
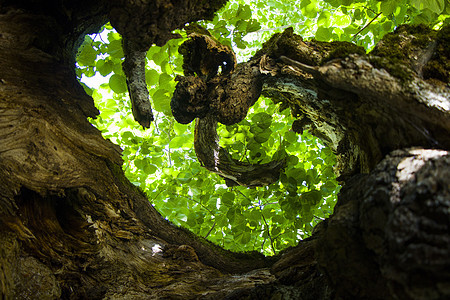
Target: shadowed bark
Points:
(72, 226)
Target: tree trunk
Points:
(72, 226)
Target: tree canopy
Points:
(162, 161)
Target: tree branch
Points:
(218, 160)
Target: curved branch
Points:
(217, 160)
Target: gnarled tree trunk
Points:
(72, 226)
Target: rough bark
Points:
(70, 220)
(362, 106)
(211, 97)
(72, 226)
(134, 69)
(144, 23)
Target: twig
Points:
(368, 8)
(253, 206)
(128, 164)
(354, 36)
(262, 245)
(245, 153)
(243, 195)
(170, 59)
(214, 224)
(207, 209)
(168, 146)
(198, 202)
(277, 28)
(268, 233)
(161, 190)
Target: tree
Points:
(73, 226)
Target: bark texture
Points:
(73, 227)
(148, 22)
(362, 106)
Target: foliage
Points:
(161, 160)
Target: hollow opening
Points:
(162, 162)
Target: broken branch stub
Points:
(142, 24)
(203, 55)
(134, 69)
(227, 94)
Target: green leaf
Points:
(161, 101)
(180, 128)
(221, 220)
(253, 25)
(115, 49)
(87, 55)
(309, 8)
(126, 135)
(117, 83)
(244, 12)
(158, 57)
(436, 6)
(178, 142)
(274, 231)
(291, 137)
(255, 215)
(292, 185)
(313, 197)
(151, 77)
(87, 89)
(324, 19)
(292, 160)
(262, 136)
(241, 44)
(228, 198)
(113, 35)
(323, 34)
(262, 119)
(298, 173)
(166, 81)
(104, 67)
(330, 185)
(150, 168)
(246, 236)
(388, 6)
(231, 214)
(334, 3)
(184, 177)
